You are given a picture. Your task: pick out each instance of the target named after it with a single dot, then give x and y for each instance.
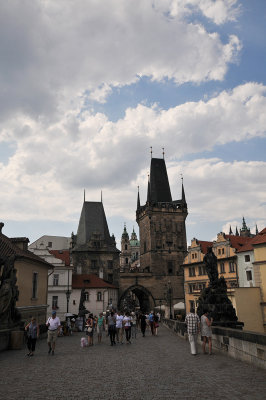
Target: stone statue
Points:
(9, 315)
(210, 261)
(82, 308)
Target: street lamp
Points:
(68, 292)
(169, 295)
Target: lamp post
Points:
(170, 294)
(160, 302)
(68, 292)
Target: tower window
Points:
(55, 280)
(170, 267)
(99, 296)
(126, 260)
(222, 270)
(125, 246)
(249, 275)
(247, 258)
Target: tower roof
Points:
(159, 184)
(92, 221)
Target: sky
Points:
(88, 86)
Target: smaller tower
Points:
(125, 250)
(244, 231)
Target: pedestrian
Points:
(100, 323)
(156, 324)
(133, 326)
(127, 326)
(151, 322)
(111, 320)
(90, 329)
(53, 323)
(119, 327)
(206, 332)
(193, 328)
(32, 329)
(143, 323)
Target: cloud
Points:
(52, 164)
(55, 55)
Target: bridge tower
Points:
(163, 244)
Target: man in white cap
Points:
(53, 324)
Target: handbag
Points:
(89, 329)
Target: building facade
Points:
(93, 249)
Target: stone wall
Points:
(242, 345)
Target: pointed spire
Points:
(257, 231)
(151, 151)
(237, 233)
(138, 200)
(163, 152)
(244, 225)
(149, 190)
(84, 196)
(230, 231)
(183, 192)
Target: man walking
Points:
(193, 327)
(53, 324)
(119, 327)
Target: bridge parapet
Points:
(239, 344)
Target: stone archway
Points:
(145, 299)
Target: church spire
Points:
(244, 225)
(230, 231)
(183, 192)
(138, 200)
(149, 190)
(257, 231)
(237, 233)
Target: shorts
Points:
(52, 336)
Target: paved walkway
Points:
(150, 368)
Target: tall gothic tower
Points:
(163, 232)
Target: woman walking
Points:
(206, 332)
(111, 320)
(32, 330)
(100, 326)
(90, 328)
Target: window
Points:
(55, 302)
(200, 271)
(195, 255)
(125, 246)
(34, 285)
(170, 267)
(99, 296)
(249, 275)
(74, 302)
(50, 244)
(190, 289)
(86, 295)
(192, 271)
(93, 263)
(219, 252)
(247, 258)
(126, 260)
(110, 278)
(222, 250)
(222, 270)
(55, 279)
(231, 267)
(192, 256)
(110, 263)
(145, 247)
(137, 255)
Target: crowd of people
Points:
(119, 327)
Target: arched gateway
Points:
(158, 278)
(139, 297)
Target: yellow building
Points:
(195, 276)
(259, 266)
(32, 277)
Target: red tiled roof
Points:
(238, 241)
(89, 281)
(63, 255)
(8, 248)
(258, 239)
(204, 245)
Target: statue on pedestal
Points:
(213, 298)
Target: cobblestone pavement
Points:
(150, 368)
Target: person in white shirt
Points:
(53, 323)
(127, 326)
(119, 327)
